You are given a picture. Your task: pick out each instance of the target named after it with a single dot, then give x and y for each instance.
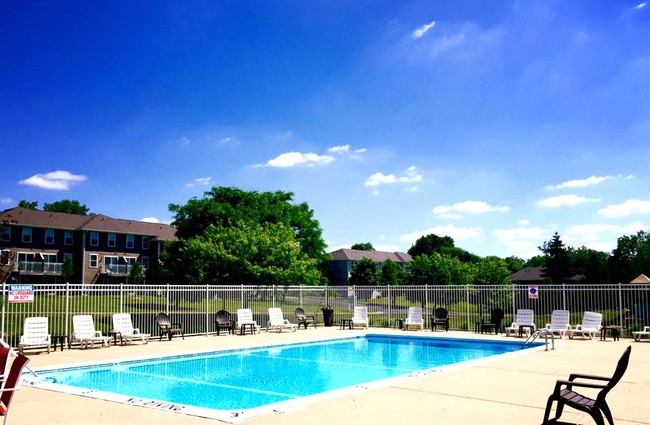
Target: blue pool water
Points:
(249, 378)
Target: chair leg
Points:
(547, 411)
(607, 413)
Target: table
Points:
(531, 328)
(59, 339)
(345, 322)
(244, 326)
(115, 335)
(615, 332)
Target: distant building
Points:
(342, 261)
(533, 276)
(35, 244)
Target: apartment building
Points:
(35, 244)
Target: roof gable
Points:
(346, 254)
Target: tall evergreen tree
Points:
(557, 264)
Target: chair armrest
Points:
(586, 376)
(136, 330)
(570, 384)
(646, 329)
(98, 333)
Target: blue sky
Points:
(497, 123)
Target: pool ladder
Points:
(542, 333)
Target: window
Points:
(49, 236)
(145, 262)
(93, 261)
(66, 256)
(27, 235)
(145, 242)
(129, 241)
(94, 239)
(5, 233)
(67, 237)
(111, 240)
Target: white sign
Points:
(533, 292)
(21, 293)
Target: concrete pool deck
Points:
(510, 391)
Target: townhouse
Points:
(35, 244)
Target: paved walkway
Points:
(506, 392)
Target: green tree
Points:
(137, 274)
(28, 205)
(225, 207)
(430, 244)
(364, 273)
(437, 269)
(557, 265)
(536, 261)
(363, 246)
(67, 270)
(250, 254)
(66, 206)
(492, 271)
(391, 273)
(630, 258)
(514, 264)
(591, 264)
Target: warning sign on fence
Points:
(533, 292)
(21, 293)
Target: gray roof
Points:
(101, 223)
(345, 254)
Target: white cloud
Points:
(294, 159)
(150, 220)
(339, 149)
(589, 181)
(467, 207)
(55, 180)
(201, 181)
(519, 233)
(6, 201)
(641, 5)
(627, 208)
(411, 175)
(591, 232)
(456, 233)
(562, 200)
(420, 32)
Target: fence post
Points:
(564, 296)
(207, 309)
(620, 305)
(467, 305)
(67, 307)
(167, 296)
(390, 304)
(121, 298)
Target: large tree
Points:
(364, 273)
(237, 237)
(363, 246)
(225, 207)
(557, 264)
(438, 269)
(66, 206)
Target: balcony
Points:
(117, 269)
(39, 267)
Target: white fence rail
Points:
(195, 306)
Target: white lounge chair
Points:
(591, 325)
(559, 322)
(35, 335)
(414, 319)
(245, 321)
(360, 317)
(523, 321)
(123, 325)
(277, 322)
(637, 335)
(84, 332)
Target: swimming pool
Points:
(237, 383)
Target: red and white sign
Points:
(533, 292)
(21, 293)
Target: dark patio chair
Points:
(440, 318)
(224, 320)
(564, 393)
(496, 316)
(167, 327)
(305, 319)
